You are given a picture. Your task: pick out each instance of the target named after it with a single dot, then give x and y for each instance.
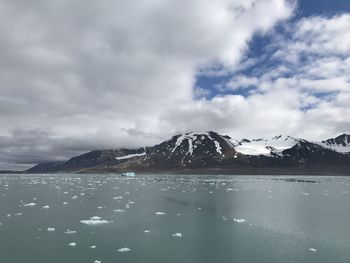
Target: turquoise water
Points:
(171, 218)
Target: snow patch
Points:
(130, 156)
(266, 147)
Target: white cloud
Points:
(303, 90)
(81, 75)
(94, 74)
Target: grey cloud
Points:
(79, 75)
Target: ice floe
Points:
(312, 249)
(72, 244)
(50, 229)
(70, 232)
(239, 220)
(124, 249)
(95, 220)
(30, 204)
(160, 213)
(177, 234)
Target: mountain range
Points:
(210, 152)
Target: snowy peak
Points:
(199, 143)
(339, 144)
(268, 147)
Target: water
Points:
(167, 218)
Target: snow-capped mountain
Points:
(210, 150)
(267, 147)
(340, 144)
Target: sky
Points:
(80, 75)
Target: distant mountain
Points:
(339, 144)
(210, 152)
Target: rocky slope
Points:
(210, 152)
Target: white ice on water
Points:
(70, 232)
(124, 249)
(239, 220)
(30, 204)
(95, 220)
(160, 213)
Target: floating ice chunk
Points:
(97, 261)
(75, 197)
(65, 203)
(0, 224)
(239, 220)
(95, 220)
(93, 247)
(147, 231)
(160, 213)
(117, 197)
(124, 249)
(305, 193)
(119, 210)
(30, 204)
(177, 235)
(72, 244)
(70, 232)
(46, 207)
(312, 249)
(50, 229)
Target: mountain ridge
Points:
(212, 151)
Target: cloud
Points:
(302, 88)
(79, 75)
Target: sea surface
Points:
(170, 218)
